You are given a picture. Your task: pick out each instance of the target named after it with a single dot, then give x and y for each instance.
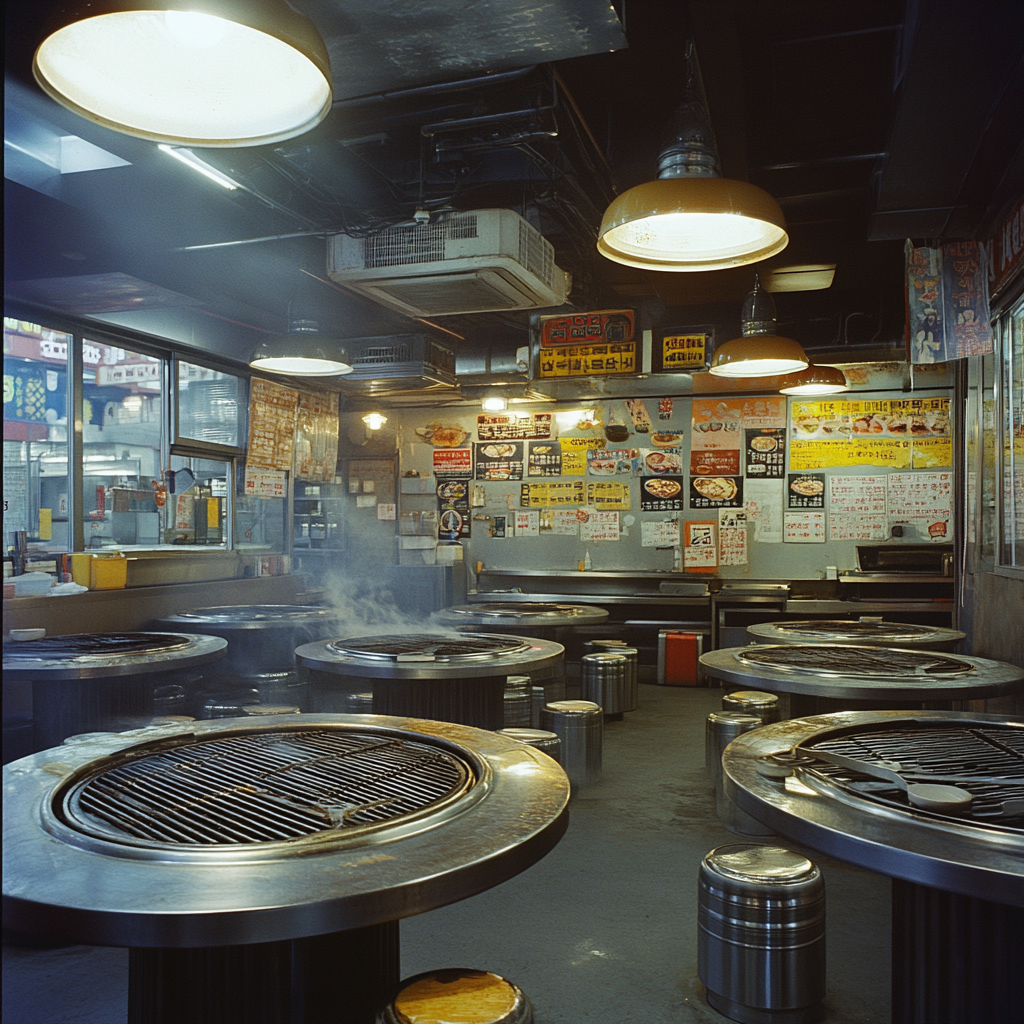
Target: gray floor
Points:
(602, 930)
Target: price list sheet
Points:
(857, 508)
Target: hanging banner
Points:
(1007, 247)
(273, 414)
(316, 437)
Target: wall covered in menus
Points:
(742, 486)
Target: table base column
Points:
(324, 979)
(955, 959)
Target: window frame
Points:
(1003, 357)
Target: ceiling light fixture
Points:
(189, 159)
(759, 352)
(804, 277)
(494, 401)
(375, 420)
(193, 72)
(302, 352)
(815, 380)
(691, 218)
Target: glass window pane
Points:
(1012, 344)
(122, 471)
(36, 477)
(989, 427)
(197, 509)
(211, 405)
(261, 506)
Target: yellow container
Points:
(108, 572)
(81, 565)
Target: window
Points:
(210, 408)
(37, 484)
(1010, 438)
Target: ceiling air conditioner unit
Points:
(471, 262)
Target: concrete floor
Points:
(602, 930)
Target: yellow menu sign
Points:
(588, 360)
(555, 494)
(608, 496)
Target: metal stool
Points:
(603, 681)
(721, 728)
(761, 705)
(579, 725)
(761, 934)
(460, 995)
(359, 704)
(518, 702)
(548, 742)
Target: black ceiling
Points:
(869, 121)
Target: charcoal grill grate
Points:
(76, 645)
(429, 646)
(839, 629)
(840, 660)
(511, 608)
(265, 787)
(946, 751)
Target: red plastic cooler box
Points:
(679, 657)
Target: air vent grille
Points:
(418, 243)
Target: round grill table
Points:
(522, 617)
(848, 677)
(868, 630)
(958, 882)
(315, 836)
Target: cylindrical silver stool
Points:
(359, 704)
(472, 997)
(761, 705)
(603, 681)
(548, 742)
(721, 729)
(518, 701)
(538, 698)
(761, 934)
(579, 724)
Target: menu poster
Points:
(498, 527)
(595, 526)
(887, 453)
(856, 508)
(761, 413)
(612, 461)
(527, 524)
(922, 499)
(763, 505)
(499, 461)
(640, 416)
(559, 522)
(574, 453)
(386, 512)
(609, 496)
(766, 453)
(544, 459)
(513, 426)
(661, 494)
(273, 416)
(715, 463)
(932, 453)
(588, 360)
(453, 462)
(659, 533)
(806, 490)
(262, 483)
(716, 424)
(454, 494)
(662, 462)
(732, 537)
(804, 527)
(316, 437)
(700, 547)
(716, 492)
(566, 493)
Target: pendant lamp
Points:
(190, 72)
(691, 218)
(760, 351)
(815, 380)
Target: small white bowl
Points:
(27, 634)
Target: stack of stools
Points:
(458, 996)
(548, 742)
(761, 934)
(603, 681)
(518, 702)
(761, 705)
(721, 728)
(631, 697)
(579, 725)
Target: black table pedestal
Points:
(343, 976)
(955, 959)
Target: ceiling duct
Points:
(473, 262)
(394, 364)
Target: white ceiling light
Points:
(375, 420)
(691, 218)
(494, 401)
(815, 380)
(197, 73)
(805, 277)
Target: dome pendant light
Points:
(193, 73)
(760, 352)
(691, 218)
(815, 380)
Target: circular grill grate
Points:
(839, 630)
(264, 787)
(866, 662)
(77, 645)
(431, 647)
(255, 613)
(513, 609)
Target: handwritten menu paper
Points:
(599, 526)
(659, 534)
(513, 427)
(804, 527)
(544, 459)
(316, 437)
(763, 505)
(562, 494)
(273, 414)
(264, 483)
(499, 460)
(921, 499)
(527, 524)
(732, 537)
(700, 547)
(608, 496)
(386, 511)
(766, 453)
(559, 522)
(857, 507)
